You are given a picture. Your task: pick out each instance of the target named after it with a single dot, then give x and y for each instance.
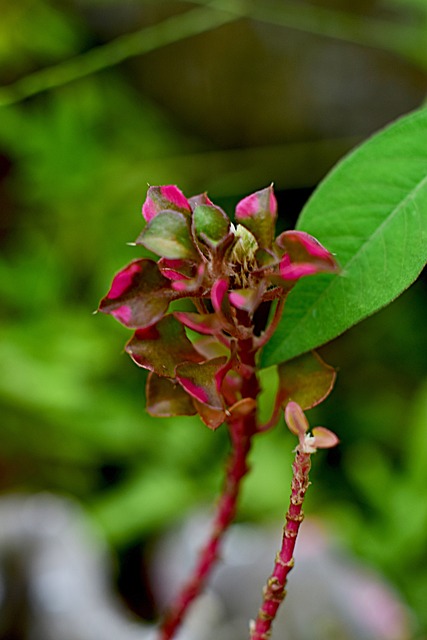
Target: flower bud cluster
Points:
(229, 271)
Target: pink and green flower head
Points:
(230, 271)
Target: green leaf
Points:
(210, 223)
(306, 380)
(371, 211)
(168, 235)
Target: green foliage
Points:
(393, 494)
(36, 31)
(371, 211)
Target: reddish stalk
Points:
(275, 589)
(241, 430)
(226, 510)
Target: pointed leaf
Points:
(139, 295)
(166, 398)
(210, 223)
(371, 211)
(161, 347)
(258, 213)
(167, 197)
(168, 235)
(306, 380)
(199, 381)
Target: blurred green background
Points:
(100, 98)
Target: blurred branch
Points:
(408, 41)
(231, 171)
(147, 39)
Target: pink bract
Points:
(174, 195)
(123, 314)
(123, 281)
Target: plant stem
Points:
(242, 429)
(274, 591)
(236, 469)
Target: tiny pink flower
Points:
(321, 438)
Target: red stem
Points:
(274, 590)
(226, 510)
(242, 430)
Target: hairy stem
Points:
(275, 589)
